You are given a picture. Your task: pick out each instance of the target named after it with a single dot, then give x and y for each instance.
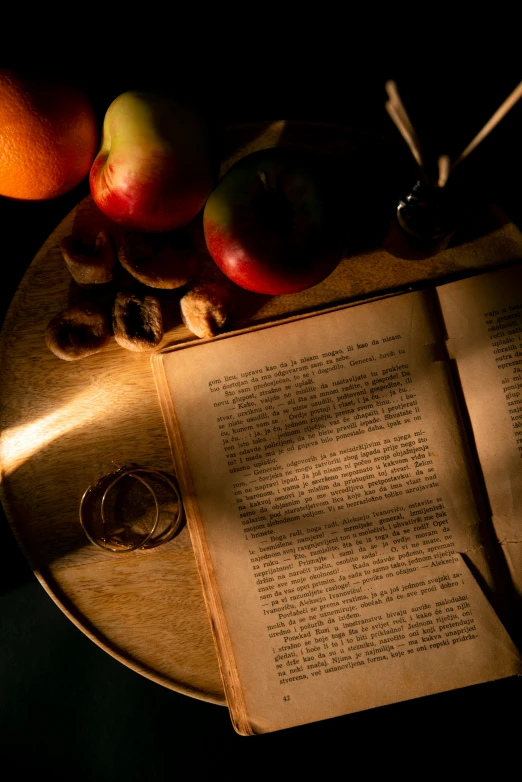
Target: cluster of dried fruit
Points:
(121, 285)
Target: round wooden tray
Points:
(63, 425)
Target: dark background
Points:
(67, 707)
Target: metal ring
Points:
(122, 473)
(146, 542)
(88, 491)
(170, 532)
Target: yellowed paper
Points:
(328, 495)
(483, 317)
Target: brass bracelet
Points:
(103, 544)
(171, 531)
(148, 541)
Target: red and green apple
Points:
(273, 224)
(154, 169)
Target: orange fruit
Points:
(48, 137)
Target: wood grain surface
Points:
(64, 424)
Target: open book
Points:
(352, 482)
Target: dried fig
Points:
(89, 265)
(159, 260)
(78, 332)
(137, 321)
(205, 309)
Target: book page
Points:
(483, 317)
(327, 490)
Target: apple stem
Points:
(264, 180)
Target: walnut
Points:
(159, 260)
(89, 265)
(137, 321)
(205, 309)
(78, 332)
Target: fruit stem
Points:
(264, 180)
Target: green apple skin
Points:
(154, 169)
(272, 223)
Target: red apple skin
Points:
(154, 169)
(272, 224)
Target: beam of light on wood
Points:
(20, 443)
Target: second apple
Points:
(272, 224)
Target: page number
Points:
(286, 697)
